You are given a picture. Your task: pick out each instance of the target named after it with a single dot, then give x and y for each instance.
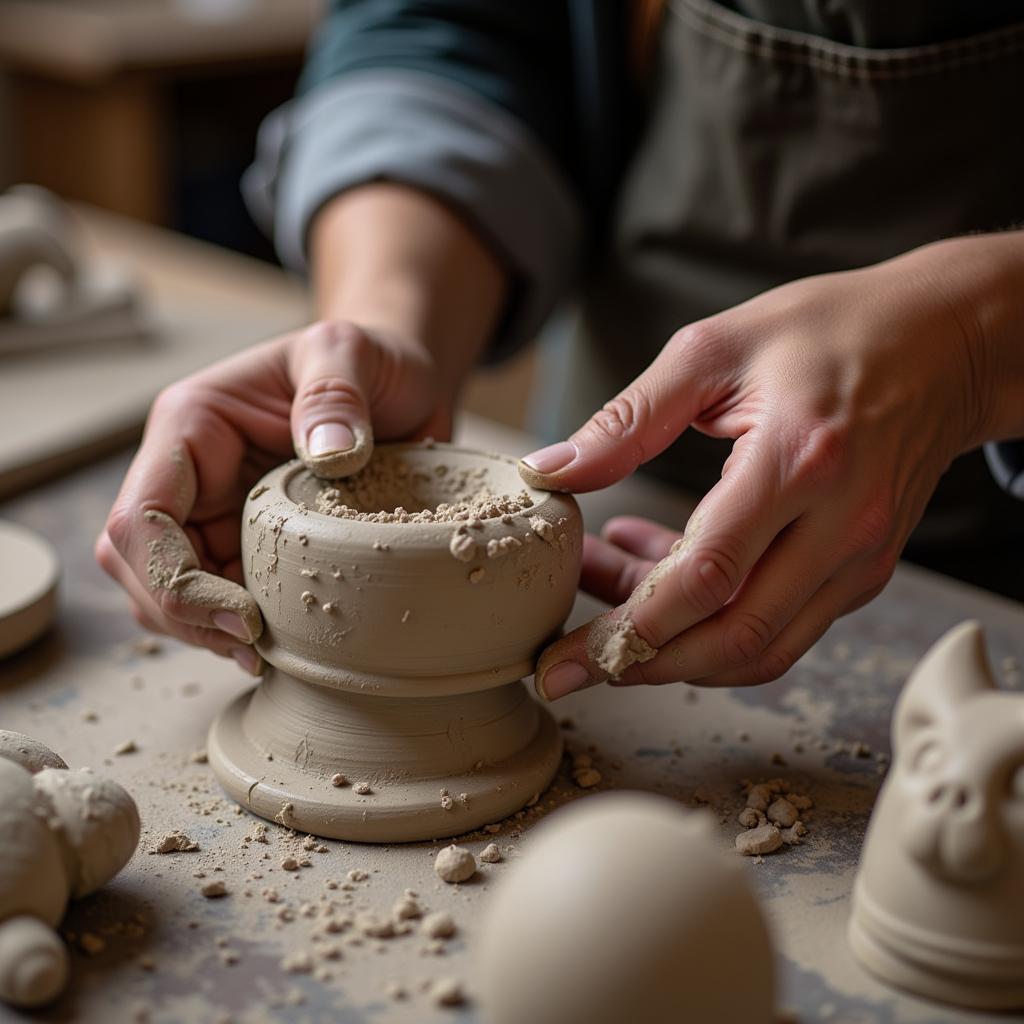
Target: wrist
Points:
(400, 264)
(980, 281)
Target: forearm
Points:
(981, 277)
(394, 259)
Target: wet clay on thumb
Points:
(333, 465)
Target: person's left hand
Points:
(847, 395)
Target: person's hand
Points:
(172, 537)
(847, 395)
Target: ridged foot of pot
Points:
(971, 974)
(435, 767)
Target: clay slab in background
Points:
(59, 410)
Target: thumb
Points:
(332, 368)
(635, 426)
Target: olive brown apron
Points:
(772, 154)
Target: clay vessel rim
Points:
(290, 470)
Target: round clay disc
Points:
(29, 569)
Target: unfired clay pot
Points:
(938, 904)
(396, 650)
(624, 908)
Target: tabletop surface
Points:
(169, 954)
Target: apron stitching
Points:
(819, 56)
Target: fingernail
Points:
(551, 459)
(562, 679)
(326, 438)
(248, 659)
(233, 624)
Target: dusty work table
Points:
(172, 955)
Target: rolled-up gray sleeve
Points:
(422, 130)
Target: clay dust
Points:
(392, 490)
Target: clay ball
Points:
(100, 823)
(623, 908)
(32, 755)
(455, 864)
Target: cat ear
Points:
(954, 669)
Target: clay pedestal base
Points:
(276, 748)
(965, 973)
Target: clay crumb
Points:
(289, 864)
(477, 574)
(447, 992)
(407, 908)
(760, 840)
(438, 925)
(299, 962)
(338, 779)
(213, 890)
(127, 747)
(543, 529)
(357, 875)
(90, 716)
(395, 990)
(455, 864)
(781, 812)
(198, 757)
(175, 842)
(362, 788)
(491, 854)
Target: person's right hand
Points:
(172, 538)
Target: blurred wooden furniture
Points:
(92, 85)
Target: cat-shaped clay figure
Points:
(938, 904)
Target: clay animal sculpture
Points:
(623, 908)
(938, 904)
(64, 834)
(402, 607)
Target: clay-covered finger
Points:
(332, 370)
(725, 537)
(148, 613)
(787, 577)
(602, 649)
(609, 573)
(145, 529)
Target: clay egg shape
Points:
(624, 908)
(938, 903)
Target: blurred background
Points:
(150, 108)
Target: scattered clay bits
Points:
(362, 788)
(338, 779)
(392, 489)
(212, 890)
(438, 925)
(758, 841)
(491, 854)
(128, 747)
(176, 842)
(781, 812)
(407, 909)
(455, 864)
(447, 992)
